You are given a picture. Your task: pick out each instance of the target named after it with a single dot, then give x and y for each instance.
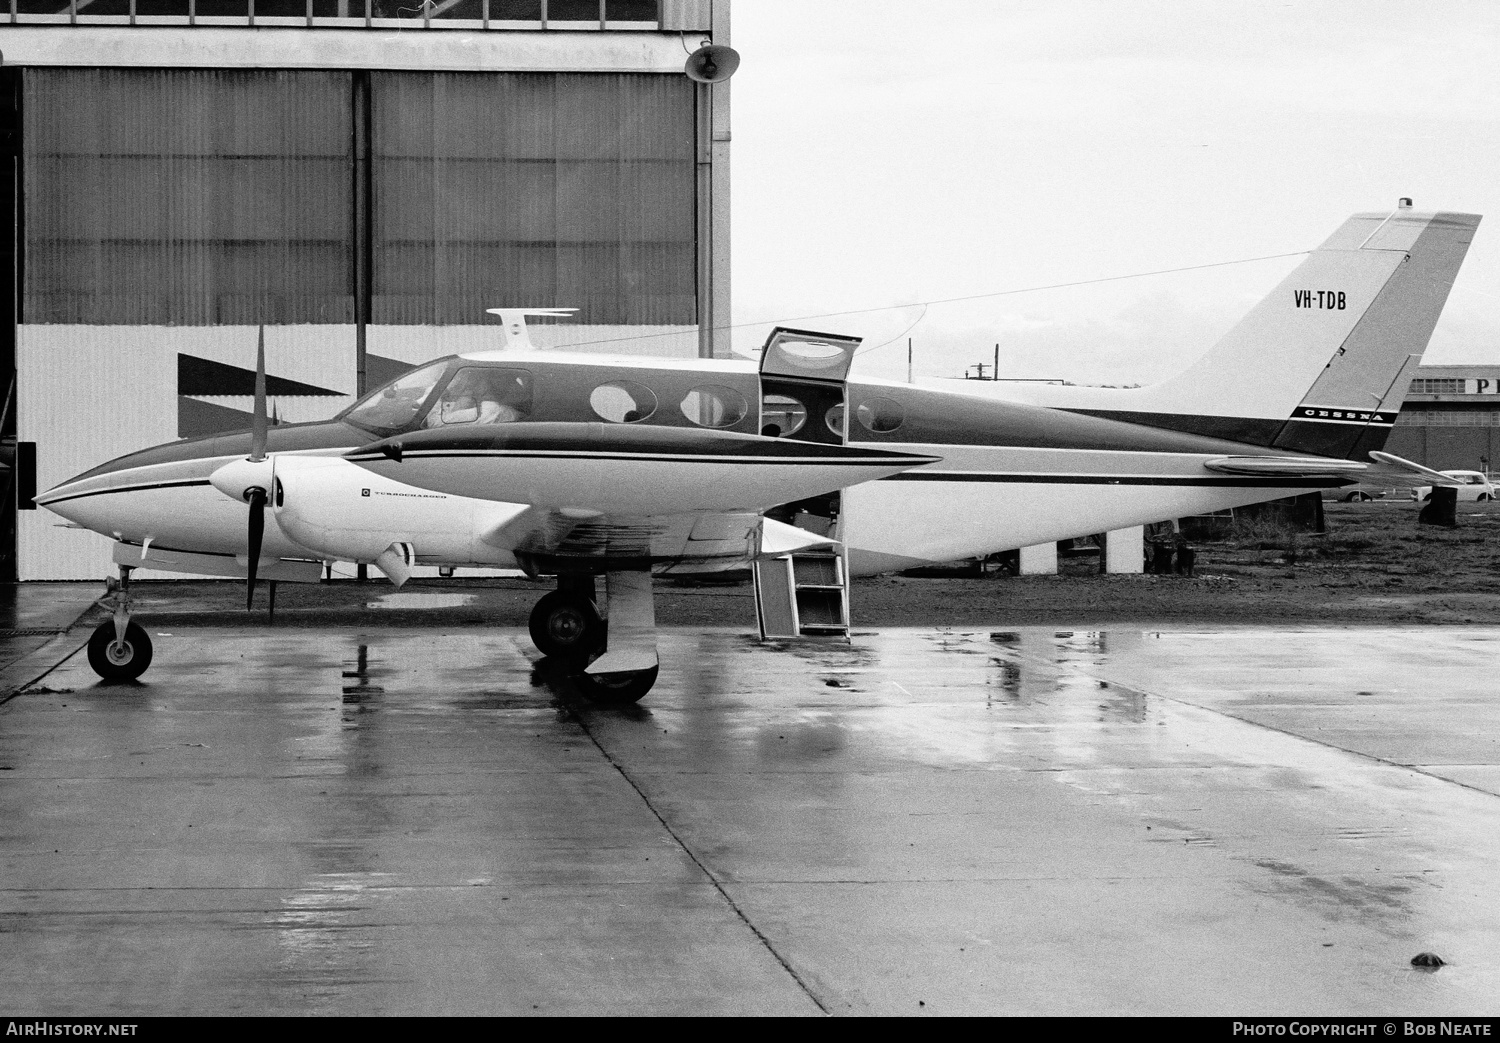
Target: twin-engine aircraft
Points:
(577, 466)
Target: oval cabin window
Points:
(879, 415)
(623, 402)
(714, 406)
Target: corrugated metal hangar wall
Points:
(367, 215)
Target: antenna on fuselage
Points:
(517, 337)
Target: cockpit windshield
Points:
(396, 406)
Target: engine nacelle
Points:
(330, 506)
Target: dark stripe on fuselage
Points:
(1338, 439)
(1217, 482)
(1299, 433)
(883, 460)
(610, 440)
(137, 487)
(1250, 430)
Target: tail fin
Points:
(517, 337)
(1332, 337)
(1350, 408)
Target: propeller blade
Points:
(258, 423)
(257, 499)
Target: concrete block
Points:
(1040, 560)
(1124, 550)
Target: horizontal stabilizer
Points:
(1392, 470)
(1286, 466)
(1409, 469)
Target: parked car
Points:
(1358, 493)
(1474, 485)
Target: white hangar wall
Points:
(177, 193)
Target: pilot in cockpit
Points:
(485, 396)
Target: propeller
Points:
(256, 495)
(250, 480)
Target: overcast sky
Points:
(887, 153)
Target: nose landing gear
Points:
(119, 650)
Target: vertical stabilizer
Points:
(1350, 408)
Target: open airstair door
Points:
(805, 594)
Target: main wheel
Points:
(119, 660)
(566, 625)
(617, 689)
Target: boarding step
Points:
(803, 595)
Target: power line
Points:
(924, 305)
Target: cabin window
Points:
(483, 395)
(395, 406)
(834, 418)
(879, 415)
(623, 402)
(782, 412)
(714, 406)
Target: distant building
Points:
(362, 177)
(1451, 419)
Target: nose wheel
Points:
(566, 626)
(119, 658)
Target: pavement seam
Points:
(702, 868)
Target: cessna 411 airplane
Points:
(581, 465)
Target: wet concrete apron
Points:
(1234, 821)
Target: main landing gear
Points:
(565, 625)
(615, 659)
(119, 650)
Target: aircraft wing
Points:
(668, 542)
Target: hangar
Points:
(362, 177)
(1451, 419)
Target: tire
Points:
(566, 625)
(1483, 497)
(115, 662)
(617, 689)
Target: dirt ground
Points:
(1374, 565)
